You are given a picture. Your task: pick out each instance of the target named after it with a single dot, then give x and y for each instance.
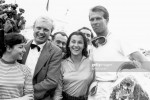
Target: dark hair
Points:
(86, 28)
(100, 8)
(62, 33)
(84, 51)
(1, 42)
(12, 39)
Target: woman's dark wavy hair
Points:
(84, 51)
(10, 40)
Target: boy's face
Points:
(17, 51)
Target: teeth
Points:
(41, 36)
(76, 49)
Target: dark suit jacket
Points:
(47, 71)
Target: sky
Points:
(129, 19)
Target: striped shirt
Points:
(15, 80)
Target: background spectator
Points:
(60, 39)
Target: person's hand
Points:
(27, 97)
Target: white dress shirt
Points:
(33, 57)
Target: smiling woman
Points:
(75, 64)
(16, 79)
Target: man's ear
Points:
(107, 20)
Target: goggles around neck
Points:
(101, 40)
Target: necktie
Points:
(35, 46)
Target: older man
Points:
(60, 39)
(43, 58)
(89, 36)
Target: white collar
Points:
(40, 45)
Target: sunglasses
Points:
(101, 40)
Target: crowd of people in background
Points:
(81, 66)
